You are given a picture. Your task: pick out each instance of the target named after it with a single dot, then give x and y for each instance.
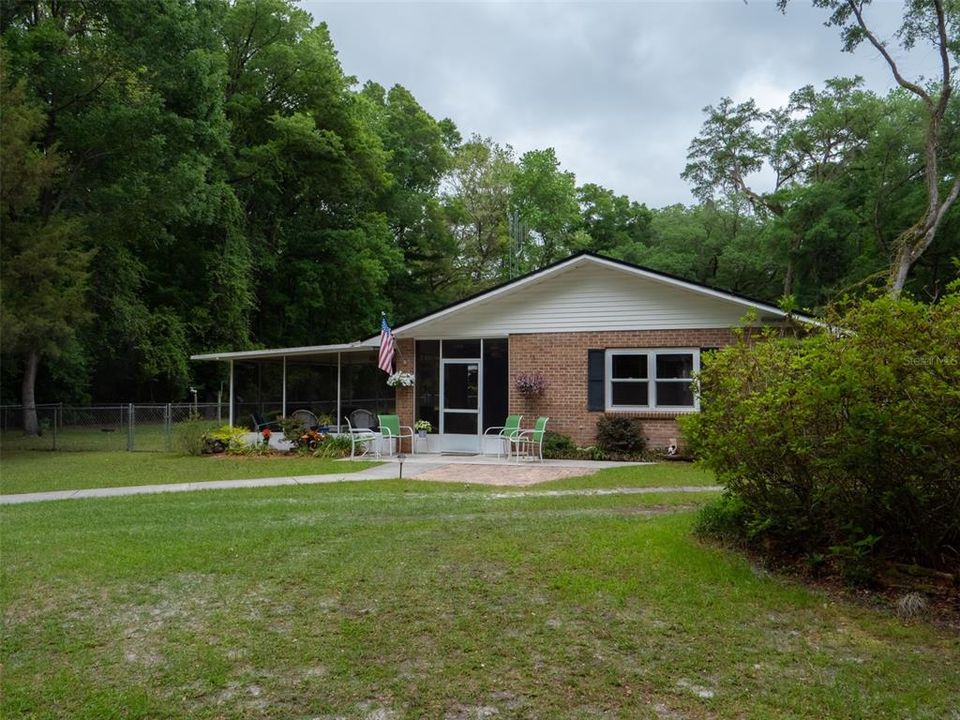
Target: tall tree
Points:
(546, 199)
(44, 274)
(420, 152)
(310, 171)
(935, 23)
(132, 97)
(477, 194)
(614, 224)
(814, 139)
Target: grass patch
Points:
(407, 599)
(664, 474)
(32, 471)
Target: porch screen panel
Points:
(312, 385)
(495, 382)
(364, 387)
(427, 384)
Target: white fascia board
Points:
(282, 352)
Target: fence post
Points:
(55, 425)
(168, 421)
(130, 427)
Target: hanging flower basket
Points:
(530, 384)
(401, 379)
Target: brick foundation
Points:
(562, 358)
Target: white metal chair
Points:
(363, 419)
(510, 429)
(366, 439)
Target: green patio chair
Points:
(529, 443)
(391, 429)
(509, 429)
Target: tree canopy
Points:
(199, 175)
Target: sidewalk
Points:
(470, 469)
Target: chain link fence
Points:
(148, 427)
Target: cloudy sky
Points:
(616, 87)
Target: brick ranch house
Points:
(607, 337)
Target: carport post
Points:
(230, 418)
(283, 402)
(339, 417)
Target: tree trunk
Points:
(30, 424)
(913, 242)
(899, 271)
(788, 276)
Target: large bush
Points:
(843, 444)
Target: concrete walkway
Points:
(468, 469)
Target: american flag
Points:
(387, 348)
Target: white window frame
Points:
(651, 379)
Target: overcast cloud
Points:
(616, 88)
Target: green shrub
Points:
(842, 444)
(292, 429)
(190, 436)
(226, 439)
(723, 519)
(557, 445)
(620, 434)
(334, 446)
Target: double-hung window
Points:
(654, 379)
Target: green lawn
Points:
(666, 474)
(426, 600)
(37, 471)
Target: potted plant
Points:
(423, 427)
(401, 379)
(531, 385)
(324, 422)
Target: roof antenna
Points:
(518, 231)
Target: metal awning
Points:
(278, 353)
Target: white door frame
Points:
(458, 442)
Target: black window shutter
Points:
(595, 379)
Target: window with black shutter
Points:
(595, 380)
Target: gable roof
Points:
(588, 259)
(736, 305)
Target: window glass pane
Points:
(495, 381)
(428, 382)
(461, 386)
(674, 394)
(674, 366)
(628, 393)
(629, 366)
(469, 349)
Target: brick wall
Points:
(405, 361)
(562, 358)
